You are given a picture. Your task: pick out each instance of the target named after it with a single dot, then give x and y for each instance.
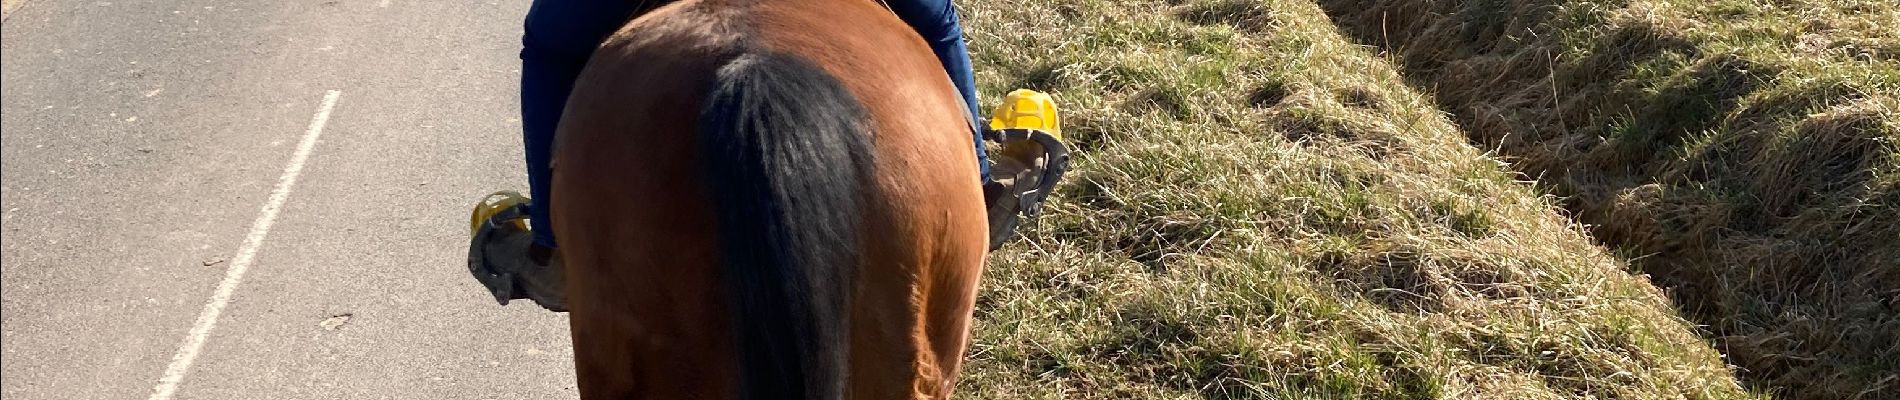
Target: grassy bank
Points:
(1747, 153)
(1263, 209)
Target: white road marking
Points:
(208, 318)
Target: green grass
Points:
(1743, 151)
(1262, 208)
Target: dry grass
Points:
(1263, 209)
(1747, 152)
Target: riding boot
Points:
(1012, 176)
(505, 259)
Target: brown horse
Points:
(768, 199)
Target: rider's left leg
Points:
(560, 35)
(518, 260)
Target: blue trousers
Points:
(562, 34)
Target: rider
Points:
(560, 37)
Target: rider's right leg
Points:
(1013, 181)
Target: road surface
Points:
(155, 152)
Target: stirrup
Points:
(1028, 116)
(496, 212)
(1053, 150)
(508, 205)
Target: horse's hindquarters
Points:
(649, 310)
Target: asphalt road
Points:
(142, 141)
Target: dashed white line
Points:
(208, 318)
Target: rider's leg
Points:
(1017, 169)
(937, 22)
(560, 36)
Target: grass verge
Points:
(1747, 154)
(1263, 209)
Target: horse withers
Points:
(768, 199)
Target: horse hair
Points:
(785, 153)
